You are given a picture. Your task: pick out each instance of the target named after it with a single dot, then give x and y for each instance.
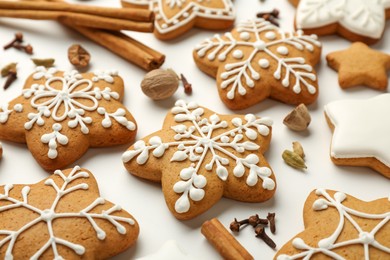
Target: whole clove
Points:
(187, 86)
(26, 48)
(260, 233)
(270, 16)
(255, 220)
(12, 76)
(235, 225)
(271, 219)
(18, 38)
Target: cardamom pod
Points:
(293, 159)
(297, 148)
(6, 69)
(44, 62)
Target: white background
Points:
(144, 199)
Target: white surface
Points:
(144, 199)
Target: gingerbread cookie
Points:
(257, 60)
(61, 114)
(360, 65)
(200, 156)
(62, 217)
(355, 20)
(339, 226)
(175, 17)
(360, 132)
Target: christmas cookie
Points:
(62, 217)
(360, 132)
(360, 65)
(175, 17)
(339, 226)
(60, 114)
(355, 20)
(200, 156)
(257, 60)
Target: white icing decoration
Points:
(326, 245)
(75, 97)
(362, 17)
(282, 50)
(18, 108)
(189, 9)
(49, 215)
(245, 36)
(193, 143)
(356, 121)
(270, 35)
(241, 75)
(4, 114)
(170, 250)
(52, 138)
(238, 54)
(106, 75)
(264, 63)
(42, 72)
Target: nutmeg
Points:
(160, 84)
(298, 119)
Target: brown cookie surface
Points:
(61, 114)
(339, 226)
(355, 20)
(360, 65)
(257, 60)
(200, 156)
(62, 217)
(175, 17)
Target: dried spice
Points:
(235, 225)
(270, 16)
(260, 233)
(44, 62)
(18, 39)
(160, 84)
(271, 219)
(26, 48)
(6, 69)
(255, 220)
(78, 56)
(298, 149)
(298, 119)
(293, 160)
(187, 86)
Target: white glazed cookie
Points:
(356, 20)
(258, 60)
(360, 132)
(200, 156)
(62, 217)
(339, 226)
(61, 114)
(175, 17)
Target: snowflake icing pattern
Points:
(50, 215)
(326, 245)
(193, 143)
(70, 99)
(260, 35)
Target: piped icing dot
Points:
(238, 54)
(164, 26)
(270, 35)
(259, 45)
(244, 36)
(282, 50)
(264, 63)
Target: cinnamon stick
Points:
(228, 247)
(86, 20)
(122, 45)
(119, 13)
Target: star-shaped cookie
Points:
(355, 20)
(199, 156)
(339, 226)
(175, 17)
(61, 114)
(360, 65)
(257, 60)
(62, 217)
(360, 132)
